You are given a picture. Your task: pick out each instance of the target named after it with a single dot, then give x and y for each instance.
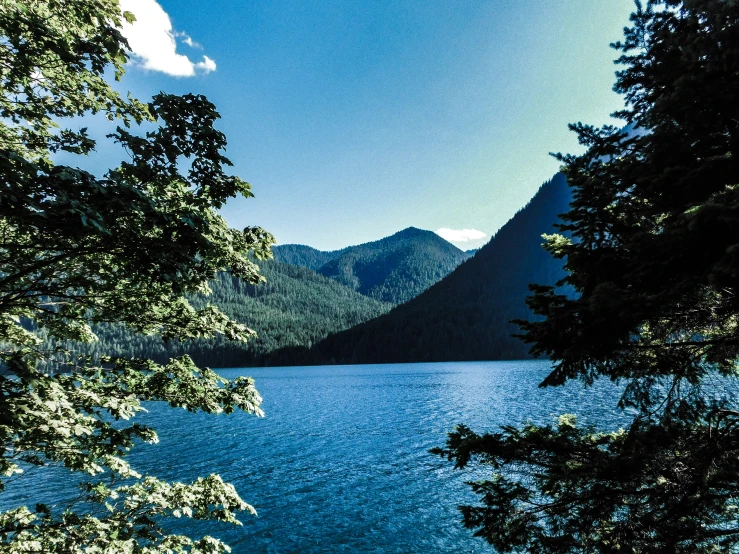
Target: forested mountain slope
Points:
(304, 256)
(466, 316)
(394, 269)
(336, 317)
(295, 307)
(298, 307)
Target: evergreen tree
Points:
(652, 251)
(78, 250)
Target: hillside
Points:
(298, 307)
(342, 313)
(295, 307)
(394, 269)
(302, 255)
(465, 316)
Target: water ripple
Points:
(340, 463)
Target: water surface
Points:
(340, 462)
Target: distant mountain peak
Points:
(393, 269)
(416, 233)
(413, 231)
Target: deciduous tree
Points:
(126, 247)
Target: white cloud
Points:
(460, 235)
(207, 65)
(153, 42)
(187, 39)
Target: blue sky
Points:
(355, 119)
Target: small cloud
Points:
(460, 235)
(187, 39)
(153, 42)
(207, 65)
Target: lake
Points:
(340, 462)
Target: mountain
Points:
(295, 308)
(394, 269)
(302, 255)
(466, 315)
(298, 307)
(342, 314)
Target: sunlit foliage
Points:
(126, 247)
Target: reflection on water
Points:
(340, 463)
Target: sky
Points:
(355, 119)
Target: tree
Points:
(77, 250)
(651, 244)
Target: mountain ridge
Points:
(459, 305)
(392, 269)
(467, 314)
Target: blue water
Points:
(340, 462)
